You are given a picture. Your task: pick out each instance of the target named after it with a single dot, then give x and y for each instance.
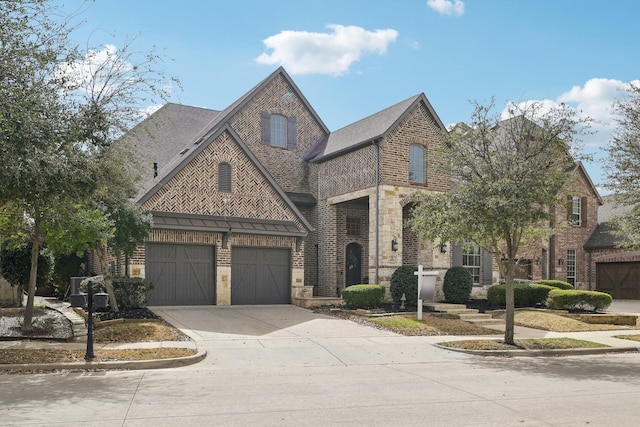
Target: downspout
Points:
(377, 143)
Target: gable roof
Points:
(580, 168)
(368, 130)
(179, 162)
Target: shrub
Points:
(131, 292)
(403, 281)
(363, 296)
(97, 284)
(560, 284)
(524, 294)
(568, 299)
(457, 285)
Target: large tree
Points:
(623, 166)
(60, 110)
(506, 175)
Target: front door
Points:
(353, 264)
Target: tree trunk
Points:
(33, 276)
(509, 328)
(102, 256)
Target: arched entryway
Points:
(353, 264)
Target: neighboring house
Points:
(261, 204)
(612, 268)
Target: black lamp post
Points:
(89, 355)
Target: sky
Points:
(354, 58)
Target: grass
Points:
(628, 337)
(524, 344)
(546, 321)
(408, 324)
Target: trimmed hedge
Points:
(560, 284)
(131, 292)
(363, 296)
(403, 281)
(524, 294)
(457, 285)
(567, 299)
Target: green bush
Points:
(131, 292)
(97, 284)
(403, 281)
(567, 299)
(363, 296)
(457, 285)
(524, 294)
(560, 284)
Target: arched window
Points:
(224, 177)
(417, 164)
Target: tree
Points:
(15, 265)
(506, 175)
(623, 164)
(60, 111)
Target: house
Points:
(260, 203)
(612, 268)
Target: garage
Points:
(260, 276)
(620, 279)
(181, 274)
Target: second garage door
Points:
(260, 276)
(620, 279)
(181, 274)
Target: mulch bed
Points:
(132, 313)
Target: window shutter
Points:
(292, 132)
(224, 177)
(266, 128)
(583, 212)
(487, 267)
(456, 255)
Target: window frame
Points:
(352, 225)
(576, 211)
(417, 176)
(471, 252)
(278, 131)
(572, 264)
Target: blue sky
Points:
(353, 58)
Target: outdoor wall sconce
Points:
(443, 248)
(560, 261)
(394, 245)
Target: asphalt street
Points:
(282, 365)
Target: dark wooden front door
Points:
(620, 279)
(353, 264)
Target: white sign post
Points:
(426, 286)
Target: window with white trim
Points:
(278, 130)
(472, 260)
(576, 211)
(571, 266)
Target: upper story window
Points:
(417, 164)
(224, 177)
(353, 226)
(576, 214)
(279, 131)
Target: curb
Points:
(176, 362)
(543, 353)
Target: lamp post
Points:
(89, 354)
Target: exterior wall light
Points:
(394, 245)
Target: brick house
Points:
(612, 268)
(261, 204)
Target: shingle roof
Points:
(370, 128)
(604, 236)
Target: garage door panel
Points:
(620, 279)
(260, 276)
(182, 274)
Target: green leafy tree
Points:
(623, 166)
(60, 111)
(506, 175)
(15, 266)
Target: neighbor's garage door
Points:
(620, 279)
(260, 276)
(181, 274)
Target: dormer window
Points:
(279, 131)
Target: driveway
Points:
(286, 335)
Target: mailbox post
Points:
(426, 286)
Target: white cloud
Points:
(302, 52)
(447, 7)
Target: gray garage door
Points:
(620, 279)
(181, 274)
(260, 276)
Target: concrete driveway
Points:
(286, 336)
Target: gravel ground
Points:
(47, 324)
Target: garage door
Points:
(260, 276)
(181, 274)
(620, 279)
